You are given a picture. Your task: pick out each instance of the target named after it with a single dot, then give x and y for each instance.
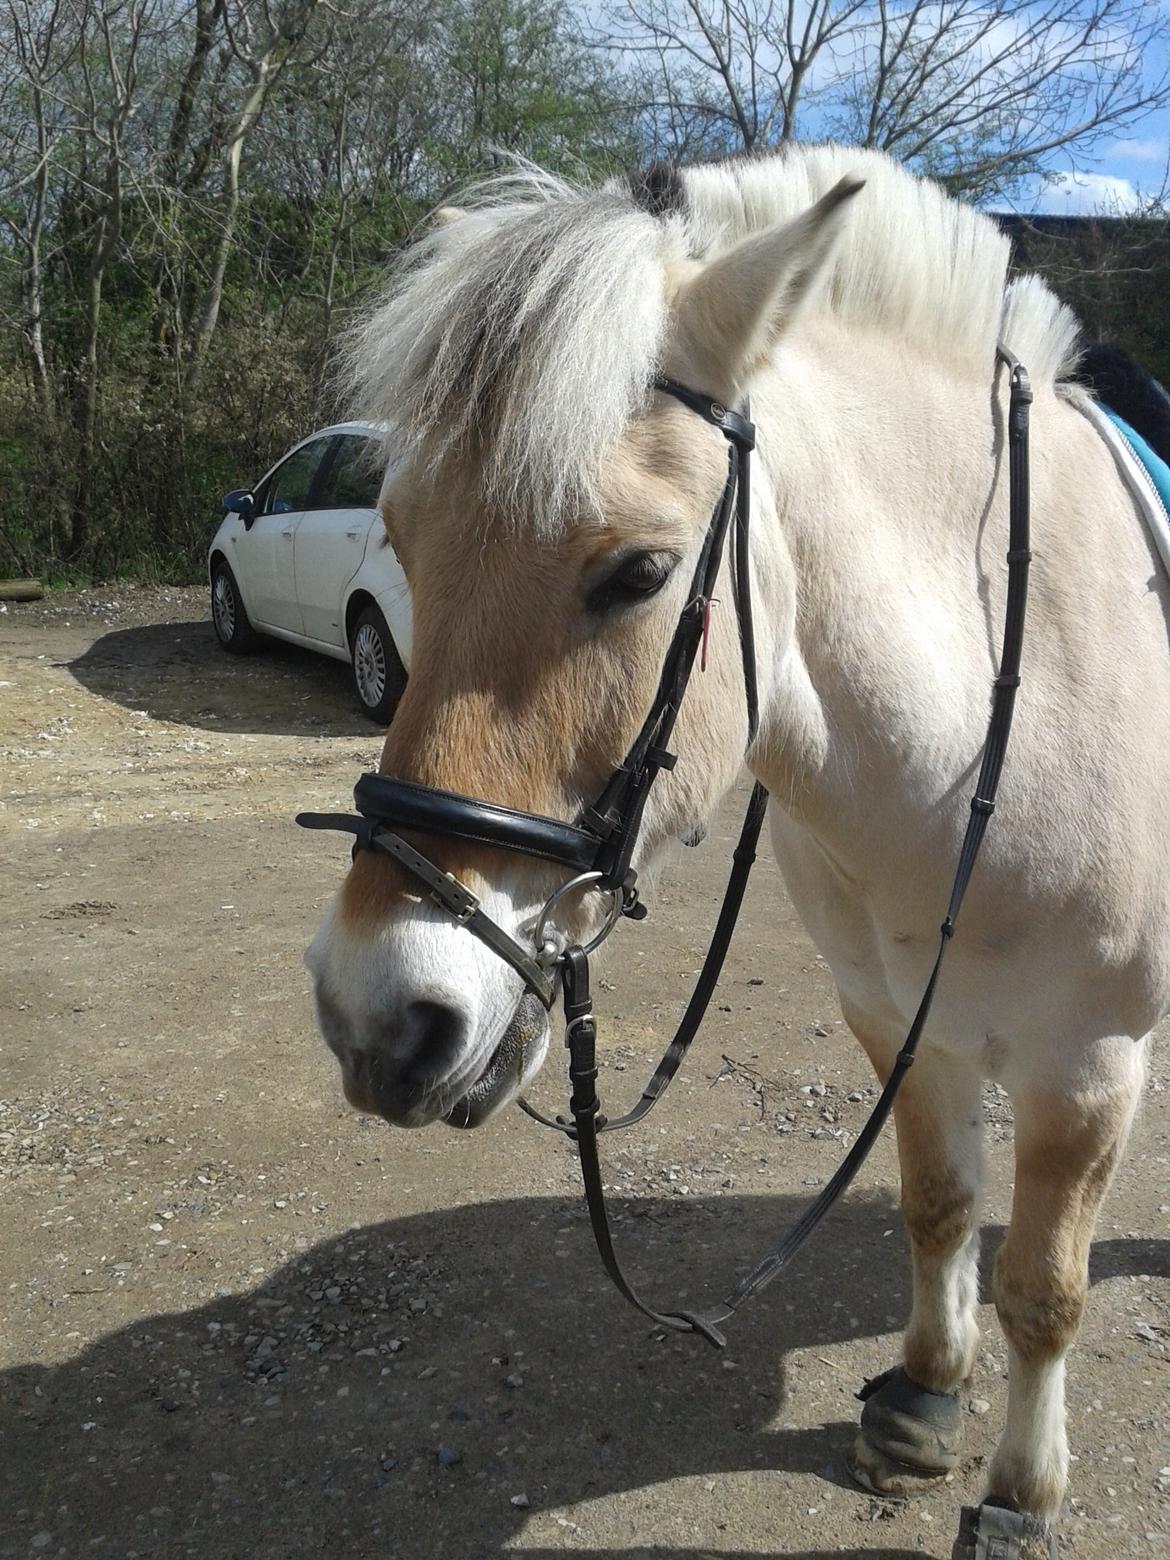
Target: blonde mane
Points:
(913, 260)
(525, 334)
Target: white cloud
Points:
(1141, 151)
(1087, 194)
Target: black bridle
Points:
(599, 847)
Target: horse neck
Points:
(884, 513)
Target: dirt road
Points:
(238, 1320)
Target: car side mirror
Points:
(240, 502)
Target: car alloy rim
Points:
(369, 665)
(223, 606)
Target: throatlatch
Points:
(600, 845)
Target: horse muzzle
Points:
(512, 1064)
(412, 1070)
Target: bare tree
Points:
(208, 21)
(262, 41)
(33, 57)
(166, 165)
(358, 132)
(983, 93)
(109, 42)
(722, 73)
(521, 75)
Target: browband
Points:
(733, 425)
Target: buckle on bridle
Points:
(574, 1024)
(456, 898)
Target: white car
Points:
(303, 556)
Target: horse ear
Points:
(733, 310)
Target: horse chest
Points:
(880, 940)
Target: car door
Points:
(332, 536)
(266, 550)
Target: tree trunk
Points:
(265, 68)
(86, 417)
(106, 237)
(32, 280)
(208, 316)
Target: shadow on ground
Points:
(884, 1553)
(715, 1554)
(391, 1391)
(178, 672)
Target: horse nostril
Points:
(426, 1042)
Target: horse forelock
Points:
(517, 342)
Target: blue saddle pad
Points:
(1156, 468)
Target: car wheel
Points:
(378, 675)
(228, 617)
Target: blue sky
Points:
(1121, 171)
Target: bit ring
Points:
(547, 952)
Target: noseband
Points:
(599, 846)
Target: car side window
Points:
(291, 483)
(354, 480)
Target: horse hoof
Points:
(880, 1474)
(990, 1532)
(910, 1436)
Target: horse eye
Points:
(637, 577)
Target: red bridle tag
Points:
(712, 603)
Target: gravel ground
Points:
(239, 1320)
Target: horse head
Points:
(550, 508)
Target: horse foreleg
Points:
(911, 1423)
(1067, 1146)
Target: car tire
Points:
(228, 617)
(379, 676)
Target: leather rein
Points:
(600, 844)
